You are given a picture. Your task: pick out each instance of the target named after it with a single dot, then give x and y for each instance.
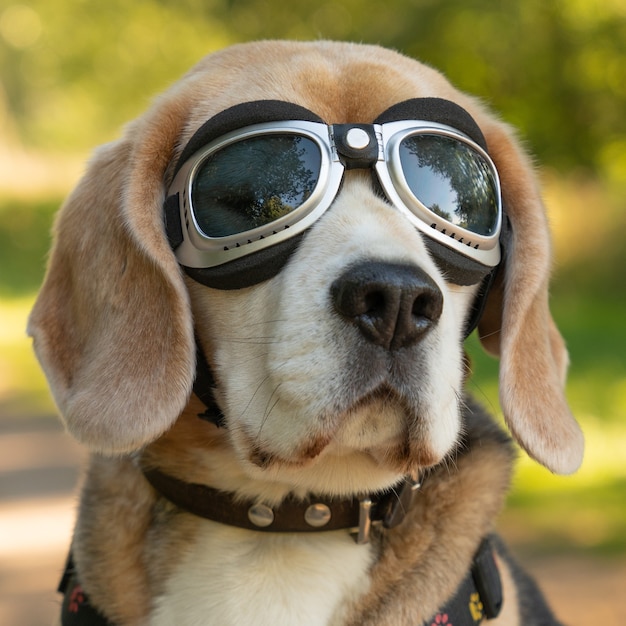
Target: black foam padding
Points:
(435, 110)
(248, 270)
(240, 116)
(173, 228)
(456, 267)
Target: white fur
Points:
(233, 577)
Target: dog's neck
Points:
(451, 514)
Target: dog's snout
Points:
(393, 305)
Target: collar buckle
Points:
(362, 533)
(390, 510)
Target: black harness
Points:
(478, 597)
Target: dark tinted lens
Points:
(254, 182)
(452, 180)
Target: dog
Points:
(254, 315)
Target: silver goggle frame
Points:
(198, 250)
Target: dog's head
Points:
(343, 341)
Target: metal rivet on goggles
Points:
(260, 185)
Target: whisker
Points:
(268, 409)
(491, 334)
(260, 341)
(242, 413)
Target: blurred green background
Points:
(72, 72)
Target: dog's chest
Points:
(234, 577)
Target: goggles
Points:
(253, 188)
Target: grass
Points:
(585, 512)
(25, 226)
(23, 388)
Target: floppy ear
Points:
(517, 324)
(112, 326)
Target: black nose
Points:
(393, 305)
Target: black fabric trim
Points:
(479, 596)
(435, 110)
(241, 115)
(76, 609)
(533, 607)
(487, 580)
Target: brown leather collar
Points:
(314, 514)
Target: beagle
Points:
(253, 317)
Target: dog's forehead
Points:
(340, 82)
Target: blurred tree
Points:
(73, 71)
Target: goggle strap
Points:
(173, 227)
(203, 386)
(480, 301)
(355, 157)
(481, 297)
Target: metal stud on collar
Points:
(261, 515)
(317, 515)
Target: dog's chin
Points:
(383, 426)
(344, 472)
(372, 443)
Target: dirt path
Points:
(38, 475)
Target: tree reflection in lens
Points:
(253, 182)
(452, 180)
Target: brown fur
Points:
(114, 330)
(432, 550)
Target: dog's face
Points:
(303, 385)
(317, 391)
